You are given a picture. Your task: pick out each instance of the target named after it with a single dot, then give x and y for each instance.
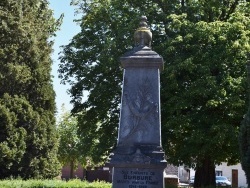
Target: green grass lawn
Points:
(75, 183)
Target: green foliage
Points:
(244, 146)
(52, 183)
(69, 140)
(244, 138)
(28, 139)
(203, 87)
(106, 77)
(12, 145)
(69, 151)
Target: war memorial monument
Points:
(138, 160)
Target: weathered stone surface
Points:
(143, 35)
(137, 156)
(138, 160)
(137, 178)
(142, 56)
(140, 116)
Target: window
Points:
(218, 173)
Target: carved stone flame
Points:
(143, 35)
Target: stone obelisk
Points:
(138, 159)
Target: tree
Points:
(69, 151)
(204, 45)
(28, 139)
(244, 137)
(205, 101)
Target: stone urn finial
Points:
(143, 35)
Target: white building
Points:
(234, 173)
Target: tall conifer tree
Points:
(28, 140)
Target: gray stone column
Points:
(138, 159)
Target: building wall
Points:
(227, 171)
(78, 173)
(171, 169)
(99, 173)
(183, 174)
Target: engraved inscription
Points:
(138, 179)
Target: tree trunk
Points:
(205, 174)
(248, 178)
(71, 169)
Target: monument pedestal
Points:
(138, 159)
(138, 167)
(137, 178)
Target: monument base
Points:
(137, 178)
(138, 167)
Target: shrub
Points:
(75, 183)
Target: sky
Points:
(67, 30)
